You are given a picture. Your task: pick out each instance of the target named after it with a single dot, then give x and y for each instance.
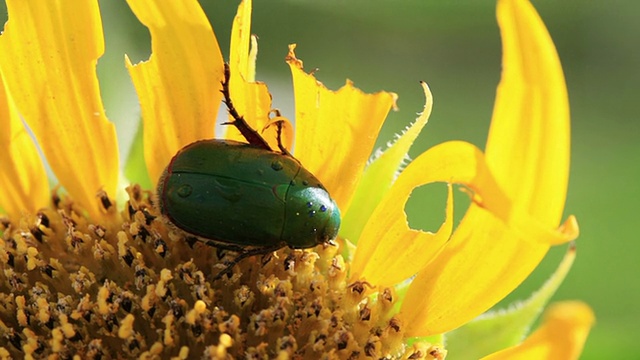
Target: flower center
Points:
(134, 285)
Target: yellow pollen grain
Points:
(165, 276)
(122, 241)
(167, 338)
(184, 353)
(156, 348)
(200, 307)
(21, 315)
(193, 314)
(32, 342)
(103, 306)
(66, 327)
(43, 310)
(126, 327)
(32, 261)
(57, 341)
(21, 244)
(224, 342)
(149, 299)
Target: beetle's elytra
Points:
(245, 197)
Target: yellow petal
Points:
(483, 261)
(562, 334)
(54, 46)
(179, 86)
(400, 252)
(250, 98)
(528, 144)
(380, 174)
(387, 232)
(495, 248)
(335, 130)
(23, 180)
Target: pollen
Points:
(136, 287)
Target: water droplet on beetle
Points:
(323, 208)
(276, 165)
(310, 204)
(312, 213)
(184, 191)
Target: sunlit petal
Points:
(335, 130)
(51, 75)
(400, 252)
(179, 86)
(562, 335)
(493, 252)
(251, 98)
(22, 179)
(380, 174)
(502, 328)
(481, 263)
(454, 162)
(528, 145)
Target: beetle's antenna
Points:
(252, 136)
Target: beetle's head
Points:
(332, 225)
(312, 217)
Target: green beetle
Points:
(245, 197)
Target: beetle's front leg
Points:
(252, 136)
(282, 148)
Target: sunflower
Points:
(84, 276)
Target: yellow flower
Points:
(80, 278)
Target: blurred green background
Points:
(455, 47)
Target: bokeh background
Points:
(455, 47)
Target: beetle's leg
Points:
(280, 146)
(239, 122)
(245, 254)
(222, 246)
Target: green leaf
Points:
(496, 330)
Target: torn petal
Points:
(179, 86)
(335, 130)
(492, 252)
(391, 262)
(251, 98)
(453, 162)
(380, 174)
